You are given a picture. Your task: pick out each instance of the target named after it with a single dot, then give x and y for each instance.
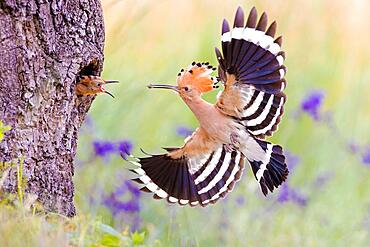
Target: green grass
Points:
(21, 228)
(150, 41)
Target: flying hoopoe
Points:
(91, 85)
(231, 131)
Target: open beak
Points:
(111, 81)
(109, 93)
(175, 88)
(107, 82)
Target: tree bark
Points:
(44, 47)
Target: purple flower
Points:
(292, 160)
(184, 131)
(284, 193)
(103, 148)
(125, 148)
(298, 198)
(290, 194)
(118, 203)
(366, 157)
(88, 125)
(323, 178)
(353, 147)
(240, 200)
(133, 189)
(116, 206)
(312, 102)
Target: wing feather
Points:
(251, 64)
(187, 176)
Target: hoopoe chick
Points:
(231, 132)
(91, 85)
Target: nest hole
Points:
(93, 68)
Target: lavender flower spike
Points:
(103, 148)
(184, 131)
(366, 157)
(125, 148)
(311, 104)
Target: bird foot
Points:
(234, 142)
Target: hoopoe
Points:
(231, 131)
(91, 85)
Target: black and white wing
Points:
(197, 174)
(251, 67)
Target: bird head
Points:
(193, 81)
(90, 85)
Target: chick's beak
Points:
(108, 82)
(102, 89)
(111, 81)
(109, 94)
(175, 88)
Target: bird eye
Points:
(186, 89)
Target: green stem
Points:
(20, 180)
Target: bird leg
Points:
(234, 142)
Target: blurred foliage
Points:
(24, 223)
(19, 227)
(3, 128)
(326, 200)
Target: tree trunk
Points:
(44, 47)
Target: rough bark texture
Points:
(44, 46)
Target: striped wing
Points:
(262, 112)
(186, 177)
(251, 67)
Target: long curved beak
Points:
(175, 88)
(107, 82)
(109, 93)
(111, 81)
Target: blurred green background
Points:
(327, 47)
(326, 200)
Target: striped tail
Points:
(270, 170)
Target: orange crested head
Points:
(192, 82)
(198, 77)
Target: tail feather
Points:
(270, 170)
